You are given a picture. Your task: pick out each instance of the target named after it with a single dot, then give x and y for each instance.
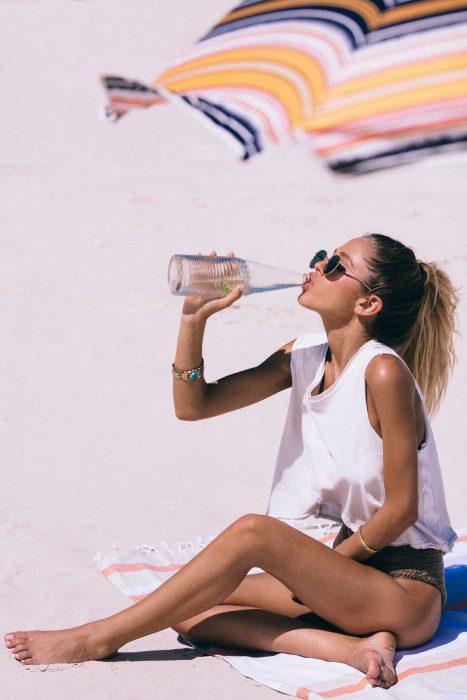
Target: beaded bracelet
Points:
(364, 544)
(188, 375)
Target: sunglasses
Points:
(334, 264)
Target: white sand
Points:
(92, 455)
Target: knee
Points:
(250, 526)
(408, 639)
(246, 532)
(183, 628)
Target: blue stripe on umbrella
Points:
(363, 165)
(350, 23)
(351, 26)
(233, 123)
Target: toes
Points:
(11, 640)
(14, 638)
(385, 678)
(18, 648)
(23, 655)
(374, 670)
(380, 675)
(390, 676)
(375, 682)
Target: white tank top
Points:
(330, 460)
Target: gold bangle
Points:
(364, 544)
(188, 375)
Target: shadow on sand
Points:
(155, 655)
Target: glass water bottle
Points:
(213, 277)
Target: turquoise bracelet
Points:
(188, 375)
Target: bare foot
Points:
(62, 646)
(374, 656)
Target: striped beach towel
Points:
(435, 671)
(370, 83)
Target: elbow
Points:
(191, 407)
(183, 413)
(404, 516)
(411, 517)
(408, 517)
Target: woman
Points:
(357, 445)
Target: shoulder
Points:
(389, 374)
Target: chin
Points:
(304, 301)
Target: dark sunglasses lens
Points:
(320, 255)
(333, 264)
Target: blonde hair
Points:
(418, 318)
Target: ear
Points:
(368, 306)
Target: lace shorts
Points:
(406, 562)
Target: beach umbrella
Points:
(369, 84)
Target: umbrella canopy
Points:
(370, 83)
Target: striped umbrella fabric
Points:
(370, 84)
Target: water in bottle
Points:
(213, 277)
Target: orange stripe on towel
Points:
(326, 538)
(124, 568)
(302, 693)
(462, 661)
(345, 689)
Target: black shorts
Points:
(406, 562)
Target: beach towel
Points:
(434, 671)
(369, 83)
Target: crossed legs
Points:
(357, 599)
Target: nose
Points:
(319, 265)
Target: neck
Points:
(343, 344)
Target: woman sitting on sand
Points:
(358, 433)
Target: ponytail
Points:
(429, 351)
(418, 318)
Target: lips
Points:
(308, 281)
